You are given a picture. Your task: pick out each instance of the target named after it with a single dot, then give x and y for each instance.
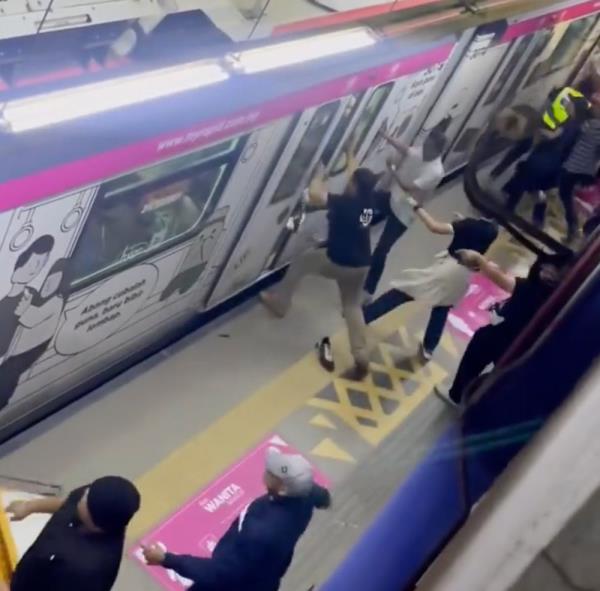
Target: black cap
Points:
(112, 502)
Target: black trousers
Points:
(519, 149)
(394, 298)
(487, 346)
(525, 180)
(566, 187)
(392, 231)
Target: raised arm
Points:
(399, 146)
(477, 262)
(317, 190)
(20, 510)
(433, 225)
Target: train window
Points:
(305, 152)
(509, 69)
(364, 123)
(139, 214)
(541, 41)
(341, 127)
(566, 49)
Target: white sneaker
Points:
(425, 354)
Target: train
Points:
(122, 229)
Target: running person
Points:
(345, 258)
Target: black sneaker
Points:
(359, 372)
(325, 355)
(444, 396)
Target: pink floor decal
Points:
(196, 527)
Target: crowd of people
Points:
(558, 148)
(81, 545)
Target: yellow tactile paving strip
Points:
(206, 455)
(365, 407)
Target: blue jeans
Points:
(394, 298)
(392, 231)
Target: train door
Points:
(559, 50)
(290, 243)
(498, 93)
(465, 86)
(278, 200)
(253, 169)
(406, 115)
(375, 110)
(361, 133)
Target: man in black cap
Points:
(82, 544)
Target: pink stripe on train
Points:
(65, 177)
(549, 20)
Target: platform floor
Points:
(175, 422)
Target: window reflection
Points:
(144, 212)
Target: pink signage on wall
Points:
(196, 527)
(473, 311)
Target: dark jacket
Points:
(258, 548)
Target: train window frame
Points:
(340, 128)
(560, 57)
(222, 162)
(523, 44)
(341, 161)
(284, 190)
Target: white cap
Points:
(294, 471)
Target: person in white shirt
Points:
(38, 318)
(418, 171)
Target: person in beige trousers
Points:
(345, 258)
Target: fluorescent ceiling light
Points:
(302, 50)
(73, 103)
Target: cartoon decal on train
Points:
(97, 274)
(64, 295)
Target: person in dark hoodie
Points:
(257, 550)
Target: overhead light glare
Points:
(307, 49)
(73, 103)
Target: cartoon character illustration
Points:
(28, 266)
(38, 316)
(197, 258)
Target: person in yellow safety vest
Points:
(559, 111)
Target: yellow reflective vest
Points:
(557, 113)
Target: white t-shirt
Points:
(415, 172)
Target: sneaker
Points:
(359, 372)
(270, 303)
(325, 355)
(426, 354)
(443, 395)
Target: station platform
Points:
(178, 422)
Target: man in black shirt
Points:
(258, 548)
(345, 258)
(491, 342)
(80, 548)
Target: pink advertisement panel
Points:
(196, 527)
